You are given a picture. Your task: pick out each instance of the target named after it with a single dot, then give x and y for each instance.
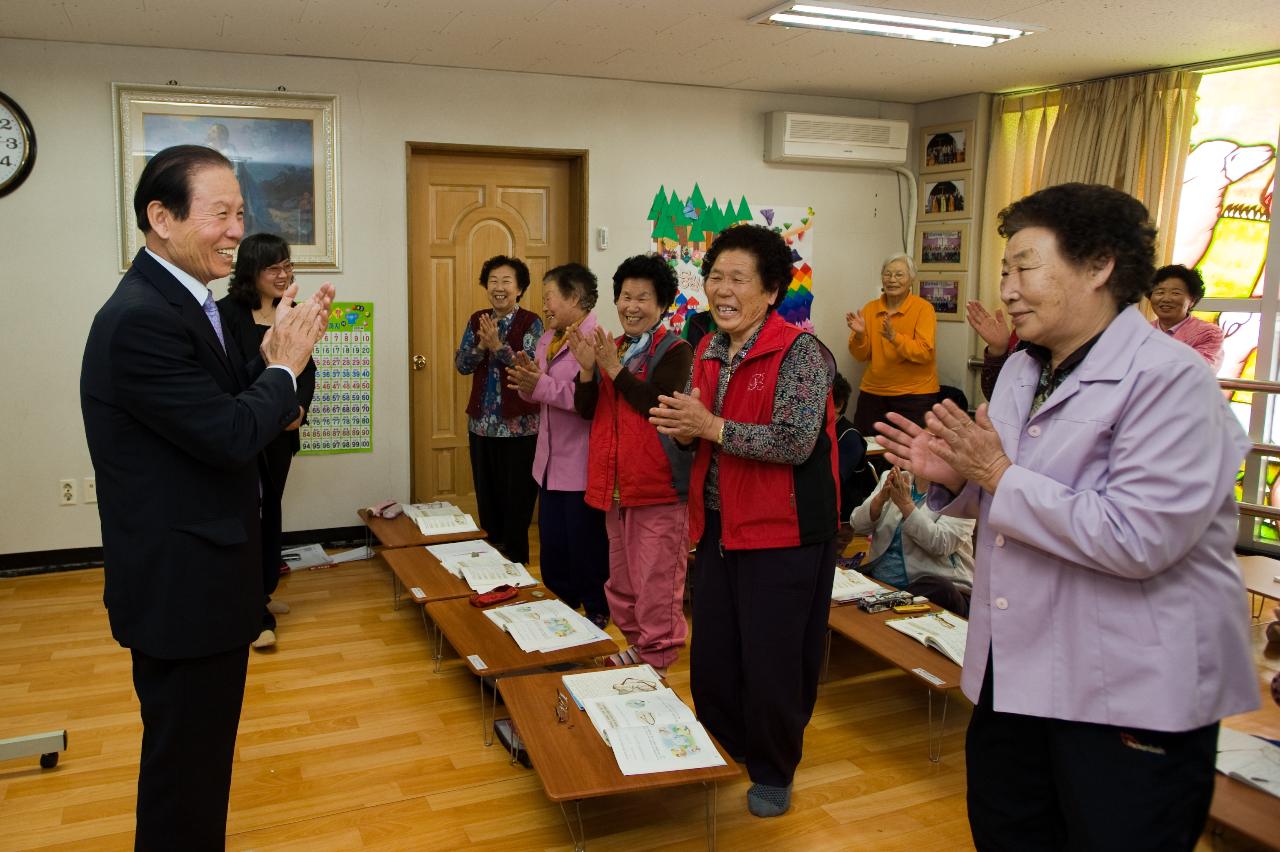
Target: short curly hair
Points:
(499, 260)
(574, 279)
(1093, 222)
(1190, 277)
(772, 254)
(257, 252)
(651, 268)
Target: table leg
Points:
(426, 622)
(395, 591)
(826, 659)
(711, 815)
(439, 637)
(1262, 605)
(578, 834)
(935, 737)
(488, 714)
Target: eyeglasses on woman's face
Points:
(277, 269)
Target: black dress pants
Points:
(759, 632)
(872, 407)
(190, 713)
(1048, 784)
(574, 550)
(502, 470)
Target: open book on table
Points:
(848, 585)
(942, 631)
(485, 573)
(446, 524)
(545, 625)
(652, 731)
(426, 510)
(1248, 759)
(606, 683)
(452, 555)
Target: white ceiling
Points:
(699, 42)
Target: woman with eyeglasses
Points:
(263, 272)
(894, 334)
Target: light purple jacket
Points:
(1105, 582)
(562, 437)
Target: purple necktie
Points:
(211, 311)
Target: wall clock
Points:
(17, 145)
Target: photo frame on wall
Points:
(945, 195)
(942, 245)
(945, 147)
(283, 146)
(946, 292)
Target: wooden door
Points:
(463, 209)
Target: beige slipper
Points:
(277, 607)
(266, 639)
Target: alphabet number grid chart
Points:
(341, 415)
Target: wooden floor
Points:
(348, 741)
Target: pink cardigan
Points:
(560, 463)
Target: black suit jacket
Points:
(175, 431)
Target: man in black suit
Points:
(176, 430)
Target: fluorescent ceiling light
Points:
(892, 23)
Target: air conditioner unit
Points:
(793, 137)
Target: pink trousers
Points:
(648, 547)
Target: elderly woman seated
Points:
(912, 546)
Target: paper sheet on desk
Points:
(1250, 760)
(663, 748)
(451, 553)
(545, 626)
(485, 573)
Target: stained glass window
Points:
(1224, 219)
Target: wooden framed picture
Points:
(283, 147)
(945, 291)
(945, 195)
(942, 245)
(945, 147)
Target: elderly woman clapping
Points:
(895, 335)
(762, 511)
(1107, 633)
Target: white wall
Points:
(59, 229)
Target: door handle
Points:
(419, 362)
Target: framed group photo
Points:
(945, 291)
(942, 245)
(945, 147)
(945, 195)
(283, 147)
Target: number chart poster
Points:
(682, 230)
(341, 415)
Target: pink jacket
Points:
(560, 462)
(1106, 583)
(1204, 337)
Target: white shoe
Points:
(277, 607)
(266, 639)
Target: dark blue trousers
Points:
(575, 550)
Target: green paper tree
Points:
(659, 202)
(699, 203)
(712, 221)
(744, 212)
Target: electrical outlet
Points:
(66, 492)
(91, 489)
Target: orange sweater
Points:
(908, 364)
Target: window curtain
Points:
(1131, 133)
(1020, 129)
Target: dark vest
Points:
(512, 404)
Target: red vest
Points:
(626, 450)
(764, 504)
(512, 404)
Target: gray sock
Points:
(764, 800)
